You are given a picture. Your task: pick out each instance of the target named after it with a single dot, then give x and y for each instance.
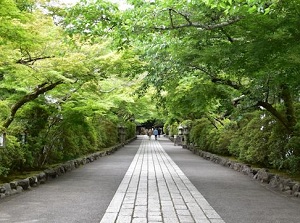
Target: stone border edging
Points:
(285, 185)
(18, 186)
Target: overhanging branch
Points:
(41, 89)
(196, 25)
(226, 82)
(30, 60)
(275, 113)
(218, 80)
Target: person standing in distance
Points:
(149, 133)
(155, 133)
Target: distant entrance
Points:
(149, 124)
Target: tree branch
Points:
(182, 15)
(230, 39)
(171, 19)
(41, 89)
(227, 82)
(216, 79)
(198, 25)
(204, 70)
(275, 113)
(26, 61)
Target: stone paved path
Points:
(154, 189)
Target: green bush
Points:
(291, 154)
(199, 134)
(211, 137)
(33, 121)
(187, 123)
(70, 138)
(220, 137)
(107, 132)
(261, 140)
(171, 127)
(53, 137)
(166, 128)
(12, 156)
(130, 130)
(257, 138)
(174, 129)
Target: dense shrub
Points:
(53, 137)
(166, 128)
(171, 127)
(34, 122)
(211, 137)
(107, 132)
(221, 136)
(130, 130)
(257, 138)
(260, 140)
(199, 134)
(250, 144)
(174, 129)
(76, 136)
(12, 156)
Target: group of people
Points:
(156, 132)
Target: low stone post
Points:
(169, 132)
(178, 139)
(122, 134)
(175, 139)
(186, 133)
(180, 130)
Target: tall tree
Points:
(248, 47)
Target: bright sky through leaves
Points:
(122, 3)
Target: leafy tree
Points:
(53, 88)
(243, 50)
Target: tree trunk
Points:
(288, 120)
(289, 106)
(275, 113)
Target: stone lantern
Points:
(122, 133)
(186, 133)
(169, 131)
(180, 130)
(178, 138)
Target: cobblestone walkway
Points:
(154, 189)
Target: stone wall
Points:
(285, 185)
(18, 186)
